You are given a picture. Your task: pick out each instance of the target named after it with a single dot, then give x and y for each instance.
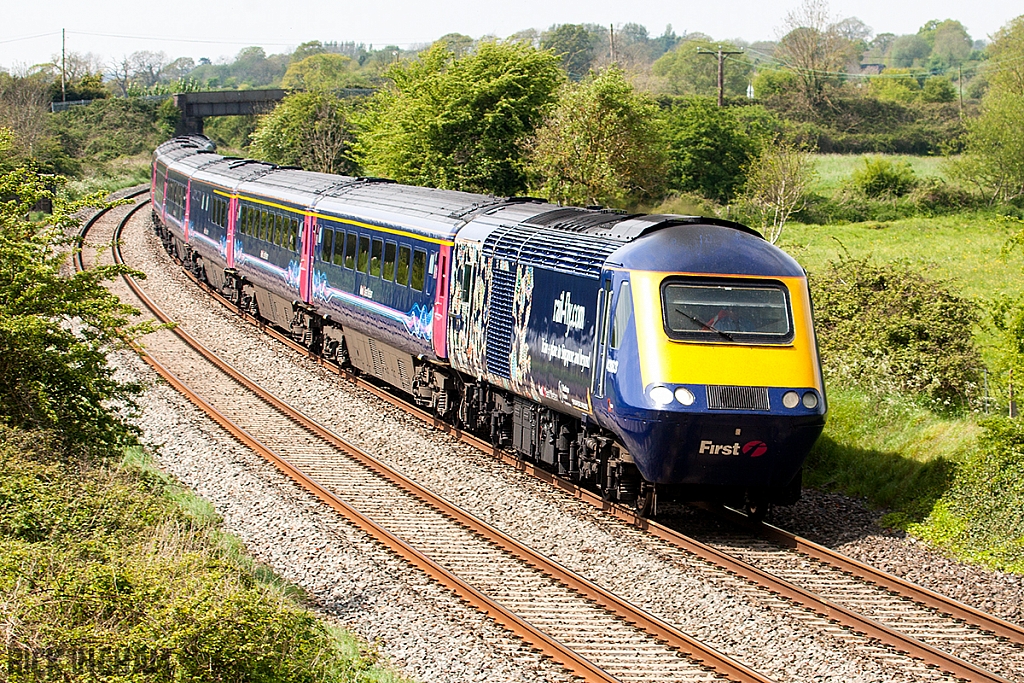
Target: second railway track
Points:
(610, 643)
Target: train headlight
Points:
(684, 396)
(791, 399)
(810, 400)
(661, 395)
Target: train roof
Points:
(568, 239)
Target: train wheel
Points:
(647, 500)
(756, 507)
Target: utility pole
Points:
(960, 84)
(721, 69)
(63, 80)
(611, 40)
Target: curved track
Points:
(593, 633)
(904, 617)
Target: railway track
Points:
(907, 631)
(590, 631)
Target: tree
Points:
(708, 149)
(600, 145)
(574, 44)
(687, 72)
(814, 48)
(55, 331)
(994, 158)
(24, 106)
(1006, 57)
(460, 124)
(308, 129)
(776, 185)
(320, 72)
(308, 49)
(951, 45)
(908, 50)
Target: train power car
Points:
(642, 355)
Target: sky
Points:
(30, 32)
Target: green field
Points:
(835, 169)
(964, 247)
(893, 450)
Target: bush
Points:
(880, 177)
(115, 127)
(708, 148)
(103, 559)
(982, 514)
(891, 329)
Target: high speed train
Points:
(639, 354)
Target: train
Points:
(642, 355)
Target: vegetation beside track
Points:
(108, 569)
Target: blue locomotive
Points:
(640, 354)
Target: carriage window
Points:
(419, 269)
(293, 231)
(279, 230)
(350, 251)
(623, 313)
(339, 249)
(364, 254)
(325, 251)
(378, 247)
(467, 281)
(389, 261)
(726, 311)
(404, 256)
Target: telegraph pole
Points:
(721, 69)
(63, 89)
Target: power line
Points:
(38, 35)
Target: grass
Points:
(927, 469)
(964, 247)
(835, 169)
(889, 450)
(112, 176)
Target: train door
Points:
(308, 238)
(188, 208)
(232, 226)
(440, 327)
(604, 309)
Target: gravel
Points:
(426, 632)
(768, 634)
(850, 526)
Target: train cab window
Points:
(623, 314)
(378, 248)
(350, 251)
(404, 256)
(419, 269)
(739, 312)
(363, 260)
(328, 242)
(389, 261)
(339, 249)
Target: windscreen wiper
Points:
(706, 326)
